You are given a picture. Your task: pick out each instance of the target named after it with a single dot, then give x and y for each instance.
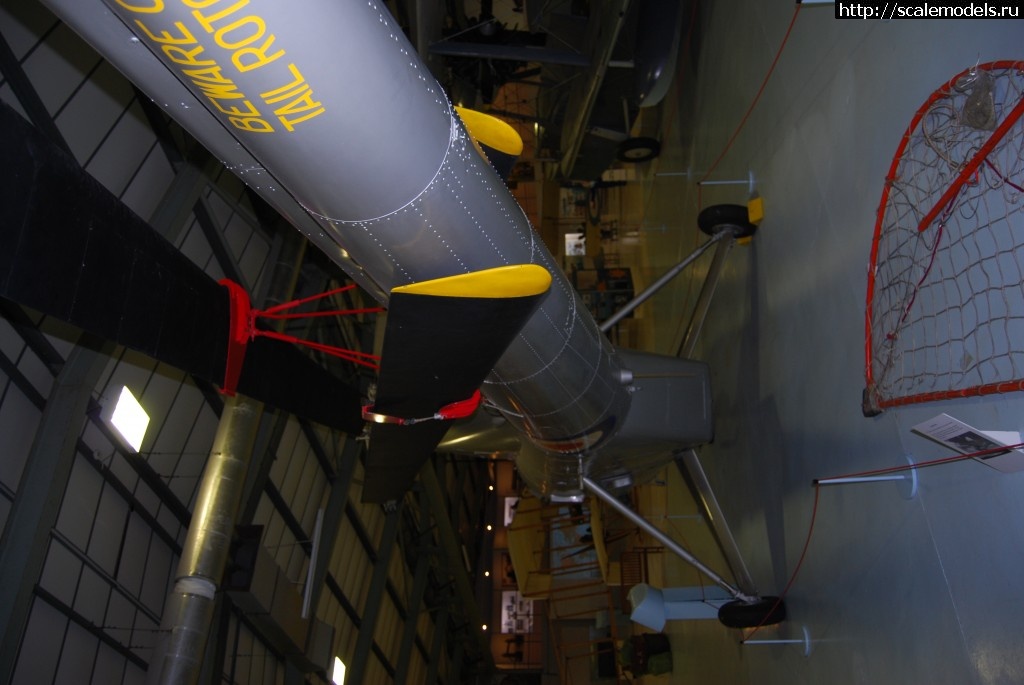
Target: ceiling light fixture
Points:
(338, 674)
(130, 419)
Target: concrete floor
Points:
(892, 590)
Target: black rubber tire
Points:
(766, 611)
(714, 217)
(636, 150)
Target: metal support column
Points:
(188, 613)
(356, 673)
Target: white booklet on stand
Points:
(965, 439)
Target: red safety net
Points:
(946, 278)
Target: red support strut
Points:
(242, 328)
(239, 334)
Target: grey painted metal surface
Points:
(326, 111)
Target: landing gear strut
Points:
(724, 224)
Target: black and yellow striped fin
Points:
(442, 338)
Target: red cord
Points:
(934, 462)
(892, 335)
(1003, 178)
(743, 121)
(796, 569)
(874, 472)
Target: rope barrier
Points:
(757, 97)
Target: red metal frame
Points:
(242, 329)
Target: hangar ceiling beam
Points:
(356, 673)
(26, 537)
(419, 587)
(28, 97)
(465, 597)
